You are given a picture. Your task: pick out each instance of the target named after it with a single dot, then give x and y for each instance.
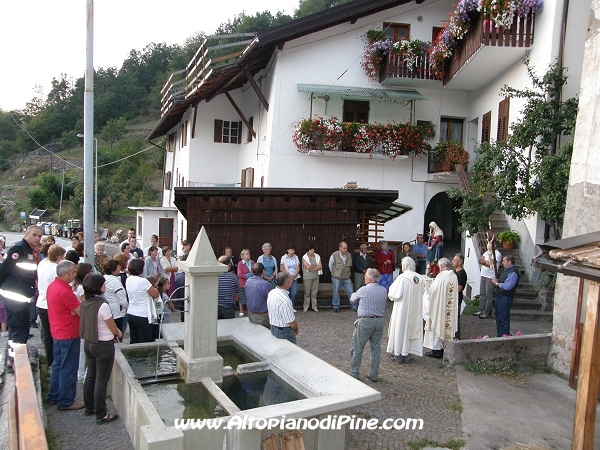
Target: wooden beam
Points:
(241, 114)
(261, 97)
(589, 374)
(224, 88)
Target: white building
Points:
(233, 124)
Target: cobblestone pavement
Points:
(423, 389)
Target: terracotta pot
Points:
(508, 245)
(443, 167)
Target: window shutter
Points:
(486, 125)
(239, 134)
(168, 180)
(218, 130)
(249, 135)
(503, 110)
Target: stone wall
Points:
(529, 352)
(582, 214)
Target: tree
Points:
(529, 173)
(113, 131)
(69, 139)
(306, 7)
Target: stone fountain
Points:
(320, 389)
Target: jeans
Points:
(45, 335)
(294, 292)
(347, 285)
(63, 382)
(503, 315)
(121, 323)
(366, 330)
(421, 266)
(486, 295)
(139, 329)
(99, 359)
(284, 333)
(226, 313)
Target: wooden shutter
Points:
(486, 125)
(503, 110)
(168, 180)
(218, 130)
(239, 132)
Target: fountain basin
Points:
(326, 390)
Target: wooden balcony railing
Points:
(484, 32)
(395, 67)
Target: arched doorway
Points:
(441, 210)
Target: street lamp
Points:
(95, 183)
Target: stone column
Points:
(582, 214)
(199, 358)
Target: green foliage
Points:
(503, 368)
(114, 130)
(306, 7)
(69, 139)
(472, 306)
(545, 281)
(529, 173)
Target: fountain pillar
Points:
(199, 357)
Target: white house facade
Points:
(232, 125)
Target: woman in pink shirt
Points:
(244, 271)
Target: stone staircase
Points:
(526, 305)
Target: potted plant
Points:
(508, 239)
(449, 154)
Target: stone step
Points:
(529, 314)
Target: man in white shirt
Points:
(488, 273)
(281, 312)
(153, 242)
(46, 275)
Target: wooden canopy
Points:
(246, 218)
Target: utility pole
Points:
(88, 142)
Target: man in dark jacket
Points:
(507, 286)
(17, 279)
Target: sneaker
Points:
(4, 334)
(483, 316)
(295, 310)
(315, 310)
(306, 310)
(478, 313)
(74, 406)
(241, 314)
(336, 310)
(373, 379)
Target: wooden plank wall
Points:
(248, 222)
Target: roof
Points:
(153, 208)
(37, 213)
(362, 92)
(380, 201)
(258, 53)
(577, 256)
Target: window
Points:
(503, 110)
(356, 111)
(171, 143)
(486, 126)
(451, 129)
(251, 122)
(434, 33)
(228, 132)
(396, 31)
(184, 133)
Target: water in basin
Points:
(143, 361)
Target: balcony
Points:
(486, 51)
(397, 71)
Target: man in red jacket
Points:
(63, 315)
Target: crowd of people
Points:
(83, 308)
(77, 301)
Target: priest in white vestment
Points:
(441, 316)
(406, 323)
